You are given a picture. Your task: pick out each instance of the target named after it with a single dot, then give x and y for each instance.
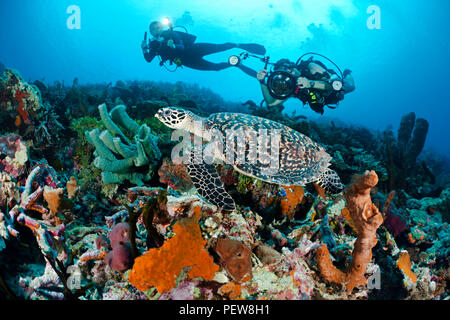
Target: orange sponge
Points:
(294, 196)
(366, 219)
(160, 267)
(404, 263)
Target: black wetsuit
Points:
(188, 53)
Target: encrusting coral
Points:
(117, 156)
(366, 218)
(175, 175)
(161, 266)
(236, 258)
(15, 155)
(16, 94)
(8, 189)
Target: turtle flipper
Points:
(208, 184)
(330, 181)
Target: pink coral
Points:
(120, 258)
(10, 147)
(119, 234)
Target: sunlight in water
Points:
(279, 18)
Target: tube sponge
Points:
(133, 177)
(405, 129)
(93, 138)
(411, 136)
(109, 124)
(417, 140)
(116, 155)
(119, 115)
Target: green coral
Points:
(244, 183)
(87, 177)
(83, 149)
(109, 190)
(157, 126)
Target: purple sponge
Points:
(120, 258)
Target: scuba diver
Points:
(180, 48)
(308, 80)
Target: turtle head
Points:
(175, 118)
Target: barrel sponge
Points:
(120, 258)
(160, 267)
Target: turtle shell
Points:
(266, 149)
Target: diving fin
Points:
(253, 48)
(330, 181)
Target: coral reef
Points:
(126, 224)
(8, 189)
(175, 176)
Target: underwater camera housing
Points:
(282, 79)
(285, 79)
(281, 84)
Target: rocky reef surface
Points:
(92, 207)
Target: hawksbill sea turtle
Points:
(300, 160)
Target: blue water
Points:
(399, 68)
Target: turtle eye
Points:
(167, 112)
